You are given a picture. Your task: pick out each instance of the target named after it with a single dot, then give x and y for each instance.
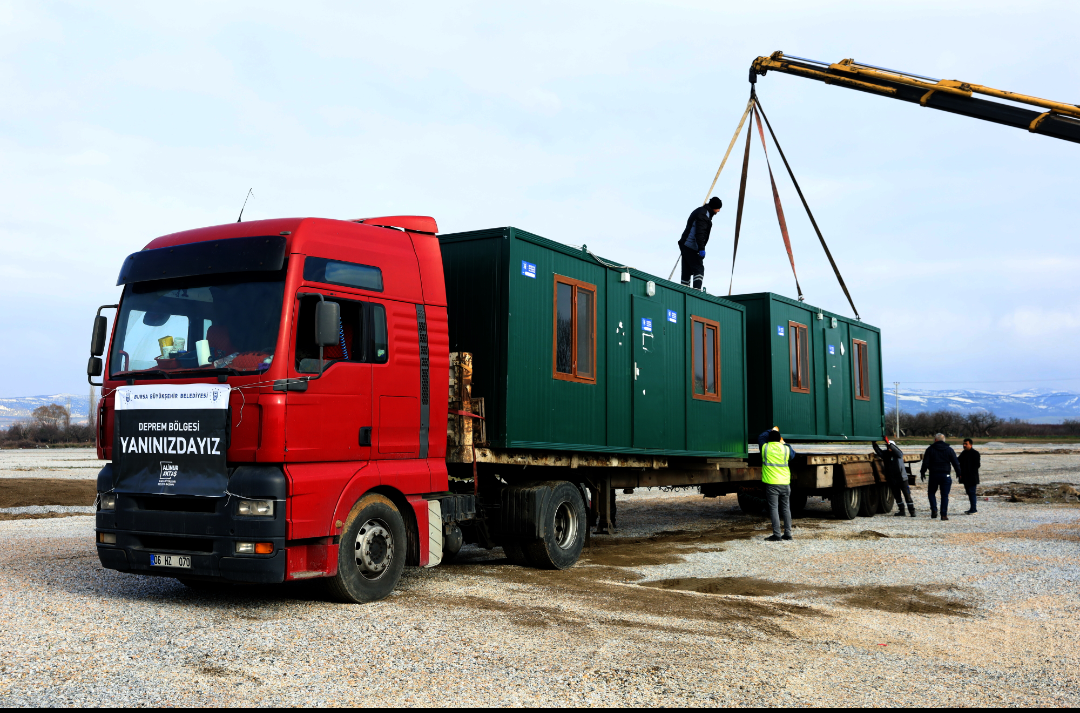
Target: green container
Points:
(835, 396)
(635, 394)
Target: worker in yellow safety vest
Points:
(776, 477)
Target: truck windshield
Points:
(199, 324)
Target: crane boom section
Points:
(1056, 119)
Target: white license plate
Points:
(182, 561)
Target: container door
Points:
(648, 373)
(834, 383)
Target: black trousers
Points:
(693, 268)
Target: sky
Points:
(596, 123)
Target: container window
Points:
(574, 341)
(861, 368)
(706, 358)
(799, 357)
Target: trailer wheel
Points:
(886, 499)
(565, 524)
(752, 501)
(869, 501)
(845, 502)
(797, 501)
(372, 552)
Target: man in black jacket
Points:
(970, 461)
(693, 240)
(893, 459)
(938, 459)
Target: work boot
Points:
(944, 517)
(933, 514)
(900, 512)
(911, 509)
(772, 538)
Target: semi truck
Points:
(310, 398)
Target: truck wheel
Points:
(845, 502)
(565, 524)
(886, 499)
(372, 552)
(869, 504)
(752, 501)
(797, 501)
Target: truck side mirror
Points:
(93, 367)
(327, 321)
(97, 340)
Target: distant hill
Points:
(20, 407)
(1037, 406)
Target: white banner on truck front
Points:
(168, 396)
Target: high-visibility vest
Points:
(774, 463)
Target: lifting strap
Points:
(749, 106)
(742, 200)
(779, 208)
(828, 254)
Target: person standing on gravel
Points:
(970, 462)
(776, 477)
(939, 458)
(893, 458)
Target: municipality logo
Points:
(127, 397)
(215, 395)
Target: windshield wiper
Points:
(148, 374)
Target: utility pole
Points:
(896, 407)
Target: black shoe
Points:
(971, 512)
(899, 513)
(933, 515)
(912, 511)
(772, 538)
(944, 517)
(786, 537)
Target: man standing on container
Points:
(970, 461)
(938, 459)
(776, 477)
(893, 459)
(693, 240)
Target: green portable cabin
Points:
(814, 374)
(572, 354)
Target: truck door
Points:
(331, 420)
(399, 411)
(648, 373)
(833, 345)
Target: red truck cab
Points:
(331, 460)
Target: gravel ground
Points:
(685, 606)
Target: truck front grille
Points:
(175, 544)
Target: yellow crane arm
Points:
(1056, 119)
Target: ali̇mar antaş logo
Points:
(169, 471)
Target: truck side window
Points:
(349, 274)
(362, 335)
(574, 340)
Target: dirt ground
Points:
(685, 605)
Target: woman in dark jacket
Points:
(970, 460)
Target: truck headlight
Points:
(107, 501)
(255, 508)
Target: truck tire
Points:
(869, 501)
(752, 501)
(886, 499)
(798, 501)
(372, 551)
(565, 523)
(845, 502)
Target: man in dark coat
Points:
(938, 459)
(693, 240)
(970, 461)
(893, 459)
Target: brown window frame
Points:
(573, 375)
(793, 330)
(694, 356)
(860, 357)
